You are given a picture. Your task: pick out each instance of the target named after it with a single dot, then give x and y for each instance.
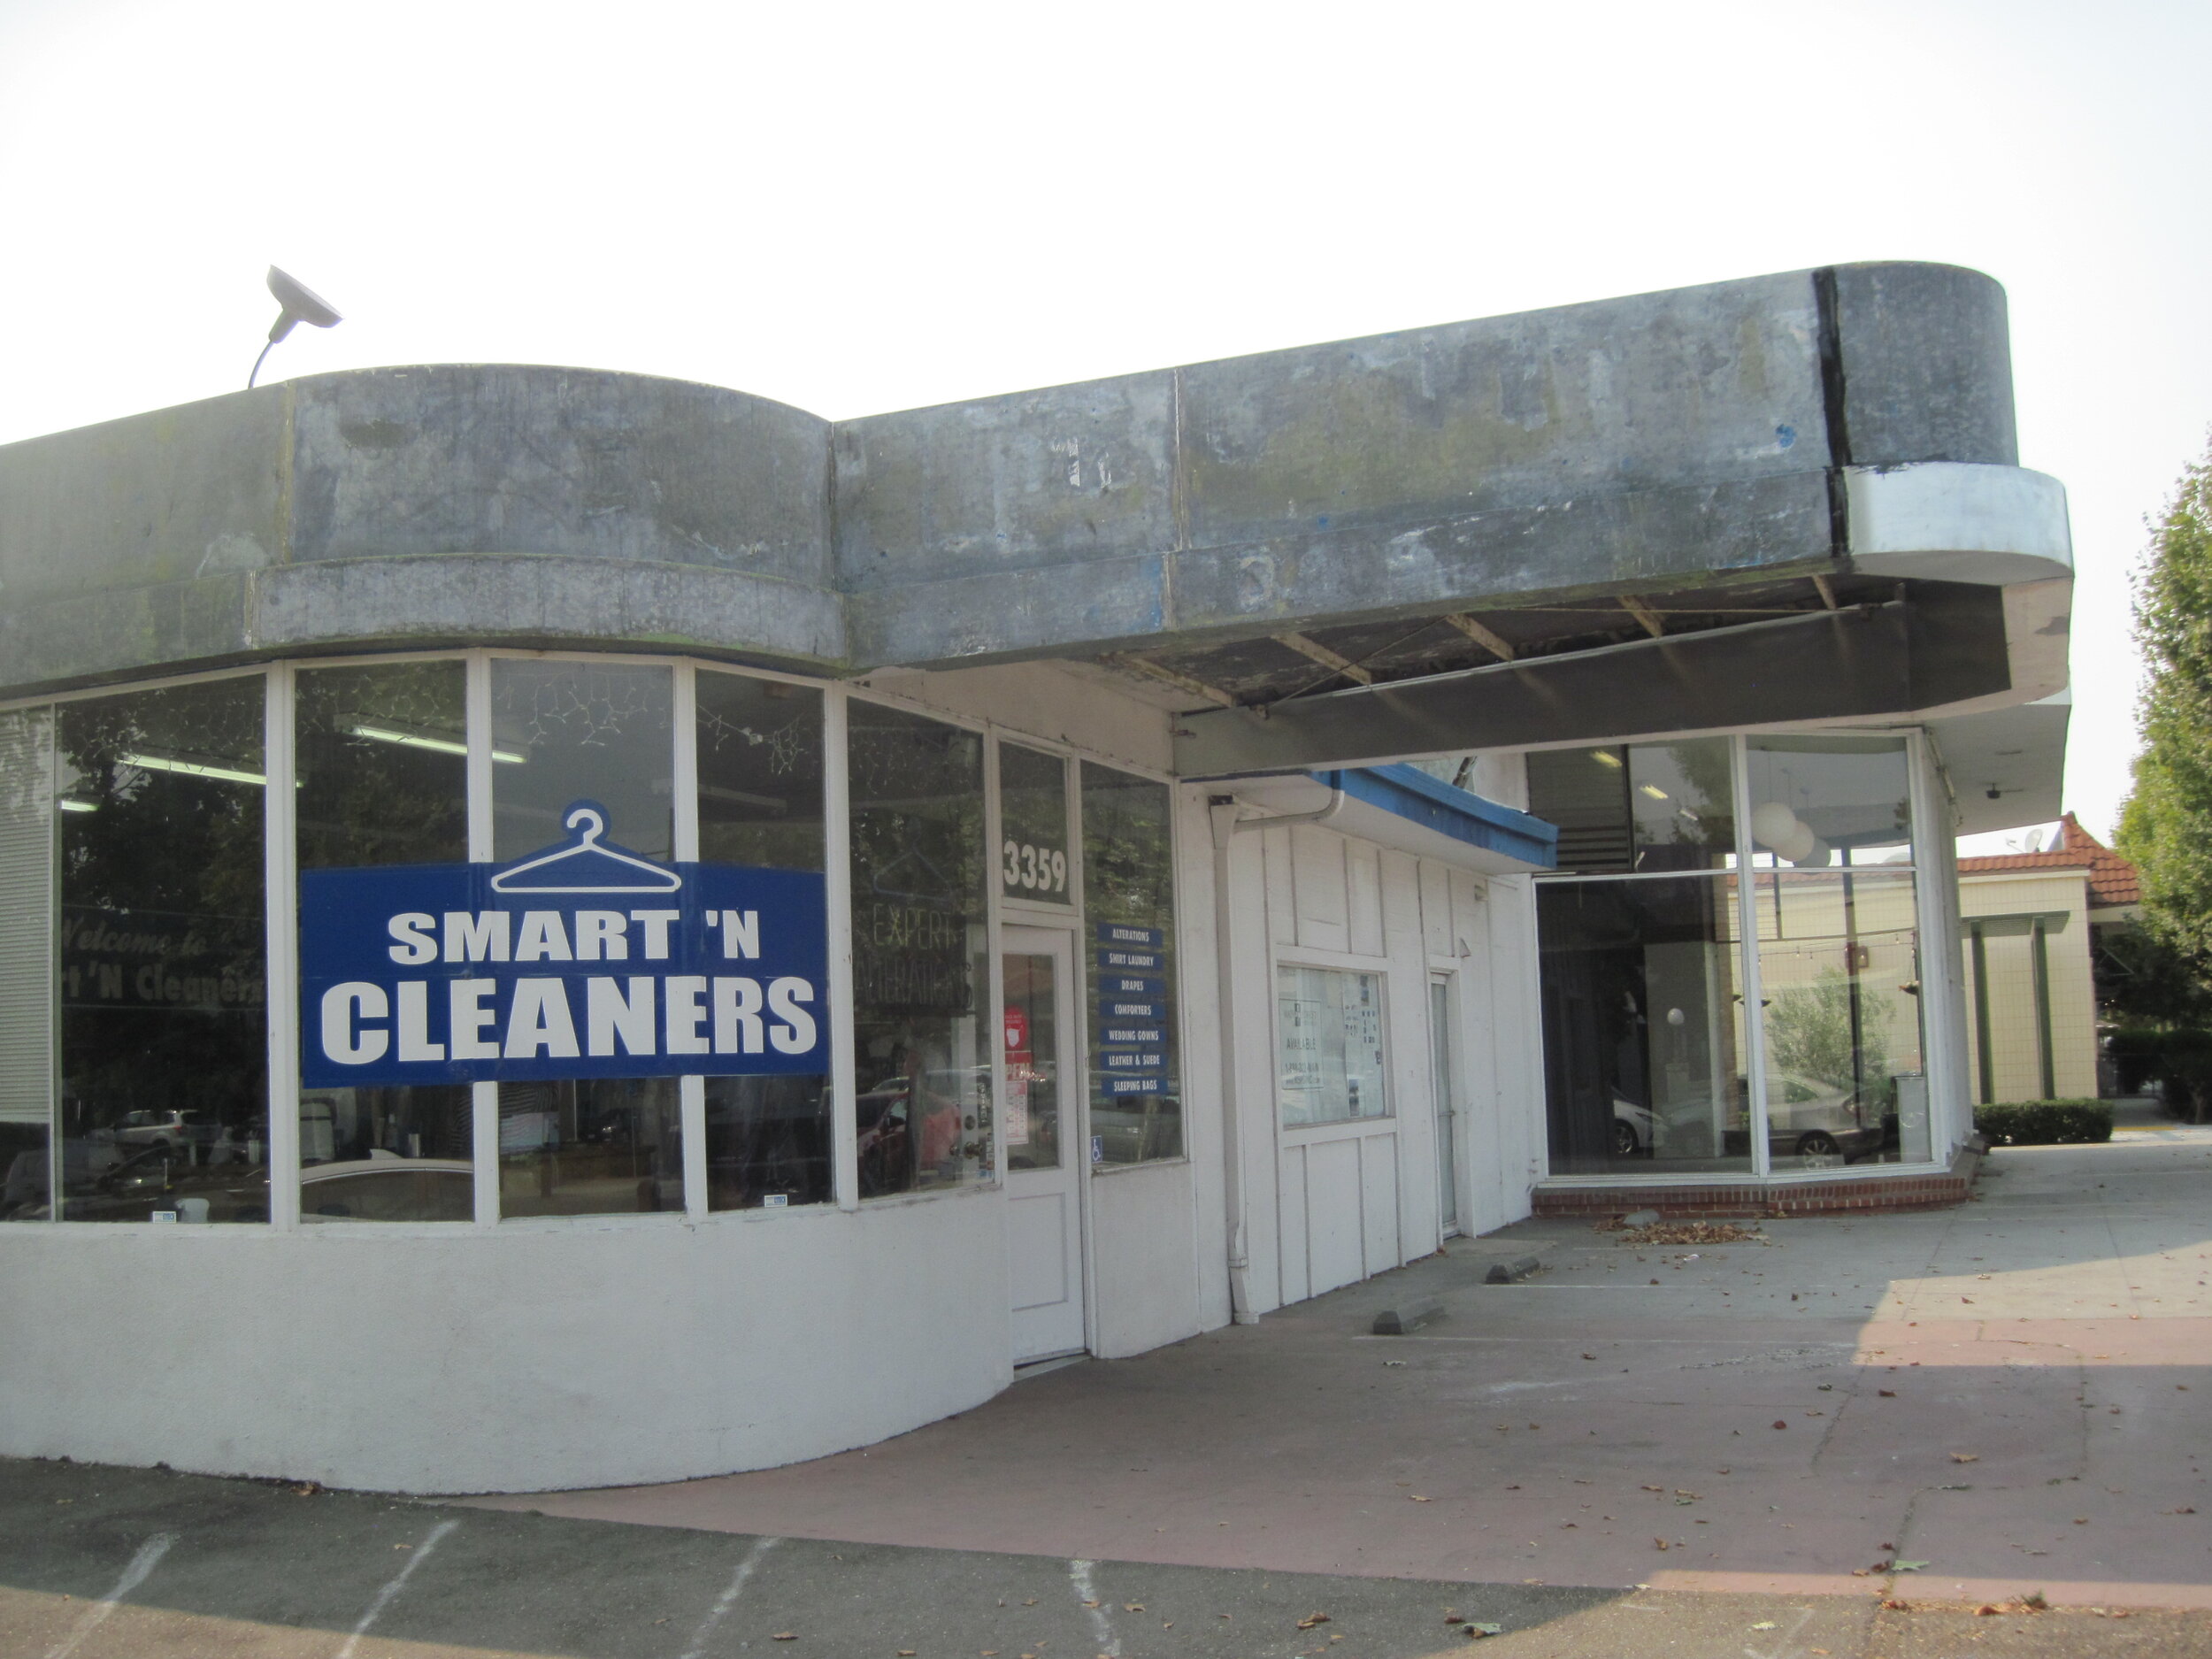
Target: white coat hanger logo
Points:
(586, 866)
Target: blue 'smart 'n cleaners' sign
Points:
(583, 960)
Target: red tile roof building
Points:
(2112, 879)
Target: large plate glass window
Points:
(26, 964)
(1641, 808)
(604, 733)
(164, 1108)
(382, 759)
(1646, 1046)
(1129, 910)
(1643, 1026)
(920, 969)
(1032, 793)
(760, 806)
(1332, 1065)
(1834, 890)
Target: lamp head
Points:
(301, 304)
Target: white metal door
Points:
(1443, 1088)
(1044, 1132)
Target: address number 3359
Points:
(1039, 869)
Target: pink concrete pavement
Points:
(2014, 1393)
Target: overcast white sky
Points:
(856, 207)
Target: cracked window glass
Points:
(568, 731)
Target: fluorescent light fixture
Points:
(190, 769)
(1655, 792)
(67, 805)
(436, 745)
(1606, 757)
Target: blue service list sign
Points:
(583, 960)
(1129, 973)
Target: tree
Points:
(2166, 825)
(1809, 1031)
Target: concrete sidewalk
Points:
(2012, 1394)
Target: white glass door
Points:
(1044, 1132)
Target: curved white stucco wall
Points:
(525, 1357)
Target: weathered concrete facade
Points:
(1684, 438)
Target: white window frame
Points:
(1935, 1012)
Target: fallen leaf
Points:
(1780, 1423)
(1766, 1623)
(1987, 1609)
(1417, 1497)
(1483, 1627)
(1659, 1543)
(1898, 1607)
(1966, 1457)
(1886, 1393)
(1655, 1488)
(1090, 1604)
(1909, 1566)
(785, 1635)
(1132, 1606)
(1311, 1619)
(1451, 1617)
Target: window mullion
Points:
(1747, 939)
(837, 871)
(483, 1097)
(280, 868)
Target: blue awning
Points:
(1458, 815)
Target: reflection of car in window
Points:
(389, 1189)
(950, 1126)
(1806, 1119)
(1134, 1128)
(886, 1164)
(165, 1129)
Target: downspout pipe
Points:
(1226, 818)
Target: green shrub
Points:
(2045, 1122)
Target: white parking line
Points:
(728, 1598)
(384, 1596)
(149, 1554)
(1101, 1622)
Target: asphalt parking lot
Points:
(1978, 1431)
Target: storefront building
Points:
(560, 928)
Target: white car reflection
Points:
(389, 1189)
(1816, 1122)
